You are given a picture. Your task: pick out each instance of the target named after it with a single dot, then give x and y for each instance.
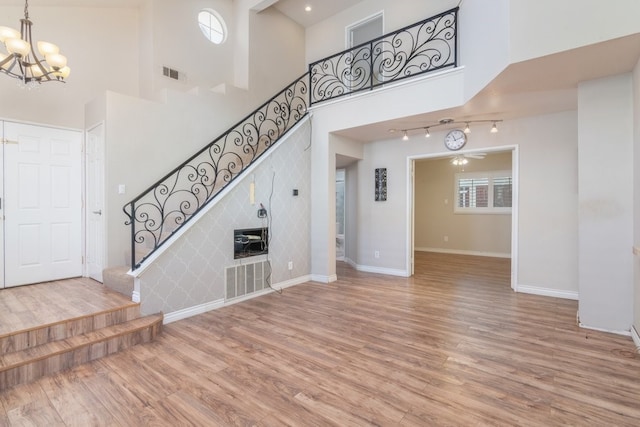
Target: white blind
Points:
(473, 193)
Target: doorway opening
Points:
(465, 209)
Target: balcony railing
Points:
(170, 203)
(420, 48)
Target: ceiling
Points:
(320, 9)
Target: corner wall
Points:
(606, 219)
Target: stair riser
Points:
(54, 363)
(48, 333)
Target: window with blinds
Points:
(484, 192)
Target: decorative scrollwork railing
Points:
(169, 204)
(427, 46)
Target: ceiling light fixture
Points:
(21, 61)
(447, 122)
(307, 8)
(459, 161)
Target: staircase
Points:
(48, 346)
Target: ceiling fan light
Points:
(46, 48)
(17, 46)
(8, 33)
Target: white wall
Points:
(329, 37)
(543, 27)
(636, 192)
(101, 45)
(605, 154)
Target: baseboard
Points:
(323, 279)
(547, 292)
(382, 270)
(636, 338)
(593, 328)
(463, 252)
(213, 305)
(192, 311)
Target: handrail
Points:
(167, 205)
(419, 48)
(170, 203)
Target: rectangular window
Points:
(483, 192)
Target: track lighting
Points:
(450, 123)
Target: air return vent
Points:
(245, 279)
(173, 74)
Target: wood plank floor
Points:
(451, 346)
(26, 307)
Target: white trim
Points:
(465, 252)
(214, 305)
(382, 270)
(625, 333)
(192, 311)
(547, 292)
(135, 296)
(323, 279)
(636, 337)
(221, 195)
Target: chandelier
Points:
(20, 60)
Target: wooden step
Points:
(62, 329)
(19, 367)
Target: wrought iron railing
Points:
(168, 204)
(427, 46)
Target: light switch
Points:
(121, 189)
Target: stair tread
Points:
(22, 357)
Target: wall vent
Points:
(245, 279)
(173, 74)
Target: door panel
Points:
(42, 204)
(95, 202)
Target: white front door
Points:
(42, 204)
(95, 202)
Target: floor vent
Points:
(245, 279)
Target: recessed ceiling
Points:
(320, 9)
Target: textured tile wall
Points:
(191, 271)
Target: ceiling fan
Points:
(463, 159)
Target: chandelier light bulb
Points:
(46, 48)
(56, 61)
(18, 47)
(8, 33)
